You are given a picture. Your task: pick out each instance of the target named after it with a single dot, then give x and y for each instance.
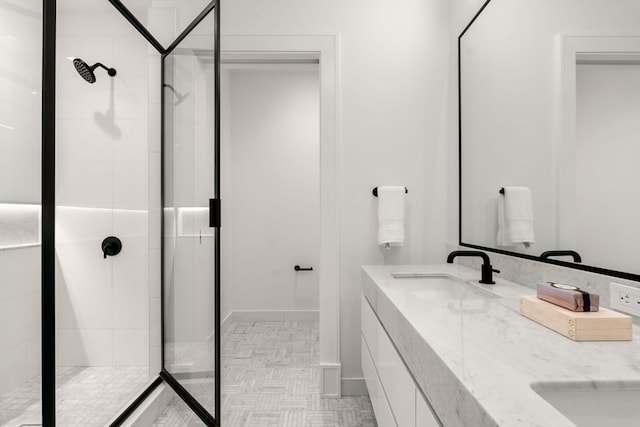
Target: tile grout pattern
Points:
(85, 396)
(271, 379)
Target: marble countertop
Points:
(475, 357)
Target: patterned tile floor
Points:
(86, 397)
(271, 378)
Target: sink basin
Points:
(429, 286)
(592, 404)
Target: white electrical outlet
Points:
(625, 298)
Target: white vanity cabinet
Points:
(396, 400)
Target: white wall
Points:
(102, 157)
(608, 191)
(392, 125)
(272, 221)
(20, 165)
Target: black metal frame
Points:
(48, 189)
(592, 269)
(48, 200)
(169, 378)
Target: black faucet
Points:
(576, 256)
(486, 270)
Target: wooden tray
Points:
(602, 325)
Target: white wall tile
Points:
(131, 98)
(130, 307)
(91, 49)
(155, 83)
(85, 184)
(131, 181)
(77, 99)
(155, 321)
(155, 222)
(130, 223)
(131, 347)
(14, 367)
(155, 359)
(77, 224)
(84, 307)
(82, 139)
(13, 318)
(19, 277)
(83, 264)
(86, 18)
(155, 176)
(33, 315)
(133, 144)
(34, 356)
(155, 285)
(130, 267)
(84, 347)
(129, 56)
(102, 163)
(155, 127)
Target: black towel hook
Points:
(501, 190)
(375, 191)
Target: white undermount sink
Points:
(429, 286)
(594, 404)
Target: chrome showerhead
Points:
(86, 71)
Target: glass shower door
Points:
(190, 241)
(21, 24)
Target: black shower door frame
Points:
(48, 252)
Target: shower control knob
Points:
(111, 246)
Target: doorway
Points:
(270, 165)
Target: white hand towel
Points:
(518, 217)
(503, 234)
(391, 216)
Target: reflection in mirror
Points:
(549, 91)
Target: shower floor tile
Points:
(271, 379)
(85, 396)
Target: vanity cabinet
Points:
(396, 400)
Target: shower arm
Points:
(110, 71)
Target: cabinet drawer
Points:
(384, 418)
(396, 381)
(424, 416)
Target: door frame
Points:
(329, 266)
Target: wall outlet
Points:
(625, 298)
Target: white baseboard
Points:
(274, 316)
(330, 380)
(354, 387)
(226, 322)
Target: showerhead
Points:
(86, 71)
(179, 96)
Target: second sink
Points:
(594, 404)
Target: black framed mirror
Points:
(548, 104)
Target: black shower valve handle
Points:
(111, 246)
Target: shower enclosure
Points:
(109, 210)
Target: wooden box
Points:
(602, 325)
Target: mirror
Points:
(550, 101)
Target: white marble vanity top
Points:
(475, 360)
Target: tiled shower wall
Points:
(102, 179)
(20, 96)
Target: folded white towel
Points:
(515, 217)
(503, 234)
(391, 216)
